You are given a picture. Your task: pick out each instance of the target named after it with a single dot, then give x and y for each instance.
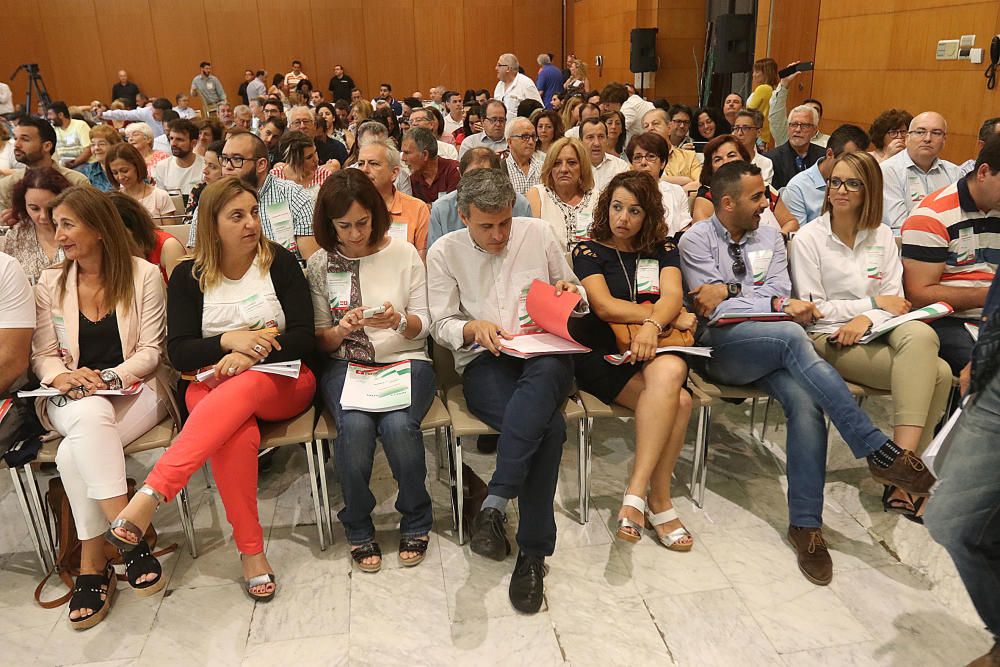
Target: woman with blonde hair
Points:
(764, 77)
(361, 111)
(577, 81)
(140, 136)
(240, 301)
(571, 112)
(101, 325)
(565, 198)
(847, 262)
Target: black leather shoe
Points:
(487, 444)
(527, 584)
(489, 538)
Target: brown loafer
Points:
(814, 558)
(907, 472)
(991, 659)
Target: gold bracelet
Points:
(650, 320)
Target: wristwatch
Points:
(401, 327)
(733, 290)
(111, 379)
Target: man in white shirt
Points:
(913, 173)
(587, 110)
(476, 278)
(424, 117)
(615, 97)
(150, 115)
(989, 127)
(512, 86)
(746, 128)
(183, 107)
(494, 122)
(292, 78)
(454, 116)
(181, 172)
(777, 112)
(17, 323)
(594, 134)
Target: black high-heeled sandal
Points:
(138, 562)
(87, 595)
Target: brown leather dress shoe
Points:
(907, 472)
(814, 558)
(991, 659)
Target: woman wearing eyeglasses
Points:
(565, 198)
(649, 152)
(101, 325)
(243, 300)
(888, 133)
(847, 262)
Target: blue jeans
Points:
(956, 342)
(964, 513)
(523, 399)
(403, 442)
(780, 359)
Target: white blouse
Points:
(247, 303)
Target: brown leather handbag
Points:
(624, 333)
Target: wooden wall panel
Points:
(24, 42)
(438, 29)
(288, 36)
(71, 70)
(487, 32)
(178, 51)
(533, 33)
(339, 39)
(137, 53)
(391, 43)
(235, 44)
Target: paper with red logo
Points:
(551, 313)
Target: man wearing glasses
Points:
(798, 153)
(286, 210)
(492, 136)
(915, 172)
(512, 86)
(805, 193)
(746, 128)
(733, 266)
(523, 163)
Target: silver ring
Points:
(231, 371)
(259, 349)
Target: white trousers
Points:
(90, 458)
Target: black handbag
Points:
(20, 431)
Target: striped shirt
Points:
(518, 179)
(948, 228)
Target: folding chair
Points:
(179, 232)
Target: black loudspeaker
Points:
(642, 57)
(734, 38)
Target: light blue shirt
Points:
(444, 215)
(142, 114)
(805, 193)
(904, 184)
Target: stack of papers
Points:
(927, 313)
(377, 388)
(288, 369)
(525, 346)
(724, 319)
(551, 313)
(49, 391)
(619, 359)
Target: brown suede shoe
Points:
(907, 472)
(814, 558)
(991, 659)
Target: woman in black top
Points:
(243, 300)
(632, 276)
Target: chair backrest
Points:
(178, 200)
(444, 367)
(179, 232)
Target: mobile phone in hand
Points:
(798, 67)
(372, 312)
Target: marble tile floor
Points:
(737, 597)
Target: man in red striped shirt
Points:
(951, 248)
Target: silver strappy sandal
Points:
(629, 530)
(671, 539)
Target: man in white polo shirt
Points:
(513, 87)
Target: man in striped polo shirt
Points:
(951, 247)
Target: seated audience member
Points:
(380, 161)
(277, 89)
(274, 108)
(805, 194)
(299, 162)
(284, 208)
(303, 119)
(30, 138)
(763, 79)
(708, 124)
(336, 127)
(444, 215)
(614, 121)
(151, 115)
(683, 167)
(430, 175)
(140, 137)
(586, 111)
(17, 324)
(731, 265)
(548, 128)
(360, 112)
(211, 325)
(8, 163)
(128, 174)
(387, 117)
(746, 128)
(679, 126)
(594, 135)
(779, 108)
(102, 137)
(270, 133)
(648, 152)
(101, 325)
(225, 114)
(888, 133)
(522, 399)
(210, 173)
(32, 241)
(915, 172)
(723, 150)
(847, 263)
(352, 229)
(566, 196)
(181, 172)
(453, 115)
(731, 106)
(798, 153)
(989, 127)
(72, 136)
(183, 107)
(472, 123)
(155, 245)
(557, 102)
(371, 131)
(513, 87)
(632, 275)
(950, 252)
(161, 143)
(616, 97)
(428, 118)
(494, 120)
(523, 163)
(243, 116)
(209, 131)
(570, 113)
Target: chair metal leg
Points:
(187, 521)
(321, 460)
(48, 543)
(36, 539)
(208, 475)
(585, 425)
(753, 414)
(442, 450)
(457, 484)
(320, 523)
(763, 426)
(699, 468)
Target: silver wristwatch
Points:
(401, 327)
(111, 379)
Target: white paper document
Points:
(619, 359)
(377, 388)
(525, 346)
(50, 391)
(931, 312)
(289, 369)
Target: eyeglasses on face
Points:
(234, 161)
(740, 129)
(920, 133)
(739, 266)
(638, 158)
(801, 126)
(896, 134)
(524, 137)
(852, 184)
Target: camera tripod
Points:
(35, 84)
